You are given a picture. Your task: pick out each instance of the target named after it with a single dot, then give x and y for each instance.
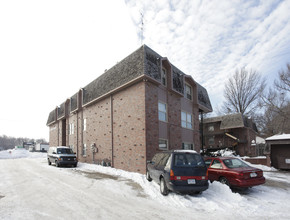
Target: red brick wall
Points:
(170, 130)
(129, 129)
(152, 123)
(53, 134)
(98, 132)
(135, 134)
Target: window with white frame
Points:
(187, 146)
(163, 144)
(163, 77)
(84, 149)
(186, 120)
(162, 111)
(71, 128)
(84, 124)
(188, 91)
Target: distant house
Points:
(142, 105)
(279, 150)
(233, 131)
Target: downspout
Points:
(112, 130)
(77, 133)
(57, 133)
(82, 129)
(201, 130)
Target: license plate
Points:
(191, 181)
(253, 174)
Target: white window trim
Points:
(166, 144)
(71, 128)
(166, 113)
(84, 152)
(192, 124)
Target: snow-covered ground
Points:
(30, 189)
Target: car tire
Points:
(48, 161)
(224, 180)
(56, 164)
(148, 177)
(163, 188)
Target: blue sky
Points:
(50, 49)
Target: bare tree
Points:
(277, 105)
(284, 80)
(243, 92)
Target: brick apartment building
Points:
(142, 105)
(233, 131)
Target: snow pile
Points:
(209, 200)
(20, 153)
(223, 153)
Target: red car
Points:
(233, 172)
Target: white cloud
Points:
(211, 39)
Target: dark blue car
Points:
(182, 171)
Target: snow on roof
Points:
(278, 137)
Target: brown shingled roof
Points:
(144, 61)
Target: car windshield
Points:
(64, 151)
(188, 160)
(234, 163)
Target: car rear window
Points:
(188, 160)
(235, 163)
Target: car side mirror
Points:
(151, 162)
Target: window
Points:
(162, 111)
(164, 160)
(157, 158)
(207, 162)
(186, 120)
(216, 164)
(188, 160)
(163, 144)
(211, 141)
(187, 146)
(71, 128)
(210, 128)
(188, 91)
(84, 150)
(163, 77)
(84, 124)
